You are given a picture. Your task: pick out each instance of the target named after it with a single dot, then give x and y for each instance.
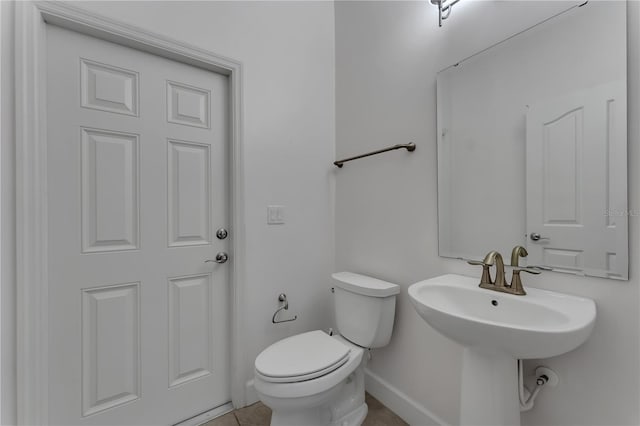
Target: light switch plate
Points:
(275, 215)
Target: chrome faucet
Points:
(499, 283)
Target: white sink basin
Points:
(541, 324)
(496, 329)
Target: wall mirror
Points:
(532, 146)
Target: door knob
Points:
(222, 233)
(220, 258)
(537, 237)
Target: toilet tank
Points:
(364, 308)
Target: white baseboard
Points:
(250, 394)
(398, 402)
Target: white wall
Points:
(287, 51)
(7, 231)
(387, 57)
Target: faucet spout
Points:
(516, 254)
(493, 257)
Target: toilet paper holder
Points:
(282, 298)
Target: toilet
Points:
(314, 379)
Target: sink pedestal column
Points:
(489, 389)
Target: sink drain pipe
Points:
(527, 398)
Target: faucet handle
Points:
(530, 270)
(486, 275)
(516, 283)
(541, 267)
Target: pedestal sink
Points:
(496, 329)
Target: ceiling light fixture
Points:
(444, 9)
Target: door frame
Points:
(31, 19)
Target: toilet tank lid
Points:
(362, 284)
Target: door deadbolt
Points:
(222, 233)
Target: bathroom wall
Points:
(7, 218)
(387, 57)
(287, 50)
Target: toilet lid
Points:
(301, 357)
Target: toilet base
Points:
(355, 418)
(319, 417)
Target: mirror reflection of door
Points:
(571, 72)
(576, 181)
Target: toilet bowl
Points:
(313, 379)
(305, 394)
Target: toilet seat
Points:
(301, 357)
(316, 386)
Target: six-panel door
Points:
(137, 170)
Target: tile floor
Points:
(259, 415)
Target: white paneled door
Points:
(576, 182)
(138, 185)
